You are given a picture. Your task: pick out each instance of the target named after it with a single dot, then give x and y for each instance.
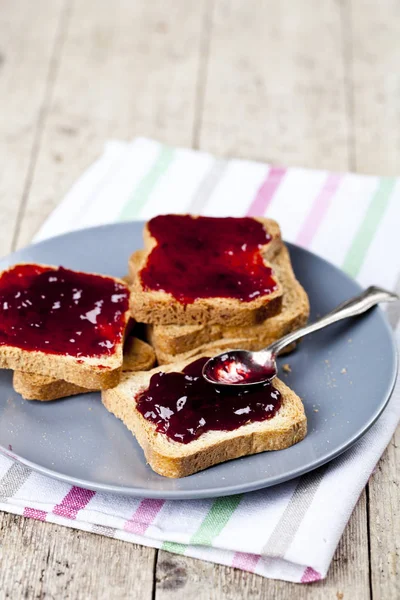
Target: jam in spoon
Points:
(245, 369)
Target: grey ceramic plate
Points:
(78, 441)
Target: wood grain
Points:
(124, 72)
(42, 560)
(375, 88)
(314, 85)
(275, 86)
(373, 52)
(120, 73)
(384, 524)
(28, 41)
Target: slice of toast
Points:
(173, 459)
(63, 324)
(157, 306)
(138, 356)
(174, 342)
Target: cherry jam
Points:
(59, 311)
(183, 405)
(238, 367)
(208, 257)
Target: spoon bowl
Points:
(237, 367)
(245, 369)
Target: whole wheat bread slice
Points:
(100, 371)
(160, 307)
(173, 459)
(138, 356)
(174, 342)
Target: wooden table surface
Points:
(307, 82)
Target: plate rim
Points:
(239, 488)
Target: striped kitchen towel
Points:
(290, 531)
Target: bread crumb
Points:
(326, 361)
(343, 370)
(316, 410)
(339, 595)
(287, 368)
(90, 408)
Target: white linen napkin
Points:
(289, 531)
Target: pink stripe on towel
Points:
(76, 499)
(245, 561)
(144, 516)
(266, 192)
(34, 513)
(310, 575)
(318, 210)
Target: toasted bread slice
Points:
(44, 389)
(174, 342)
(138, 356)
(100, 308)
(161, 307)
(173, 459)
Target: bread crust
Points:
(138, 356)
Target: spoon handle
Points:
(350, 308)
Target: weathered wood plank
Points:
(276, 91)
(180, 576)
(42, 560)
(282, 72)
(276, 83)
(28, 39)
(124, 72)
(384, 524)
(374, 57)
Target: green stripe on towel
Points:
(173, 547)
(366, 232)
(215, 520)
(143, 191)
(213, 523)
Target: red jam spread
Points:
(59, 311)
(238, 368)
(183, 405)
(208, 257)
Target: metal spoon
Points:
(244, 369)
